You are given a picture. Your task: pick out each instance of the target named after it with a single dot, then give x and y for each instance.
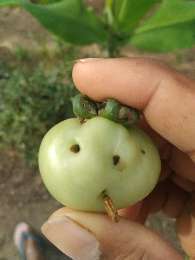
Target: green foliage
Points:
(166, 39)
(129, 12)
(9, 2)
(170, 28)
(71, 20)
(30, 103)
(121, 22)
(21, 53)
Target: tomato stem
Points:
(110, 208)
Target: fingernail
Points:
(89, 60)
(72, 239)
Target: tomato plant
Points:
(151, 25)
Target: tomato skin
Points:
(77, 178)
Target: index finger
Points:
(166, 98)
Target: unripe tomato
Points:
(79, 161)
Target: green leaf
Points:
(171, 12)
(4, 3)
(129, 12)
(166, 39)
(171, 27)
(70, 20)
(47, 1)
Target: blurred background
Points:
(35, 87)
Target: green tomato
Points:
(79, 161)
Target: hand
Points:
(167, 100)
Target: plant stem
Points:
(112, 47)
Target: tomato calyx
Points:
(85, 108)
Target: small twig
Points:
(110, 208)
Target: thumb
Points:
(89, 236)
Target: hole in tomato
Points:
(75, 148)
(116, 159)
(143, 151)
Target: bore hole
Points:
(75, 148)
(143, 151)
(116, 159)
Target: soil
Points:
(23, 196)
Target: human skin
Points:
(167, 101)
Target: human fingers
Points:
(92, 236)
(186, 231)
(166, 197)
(182, 165)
